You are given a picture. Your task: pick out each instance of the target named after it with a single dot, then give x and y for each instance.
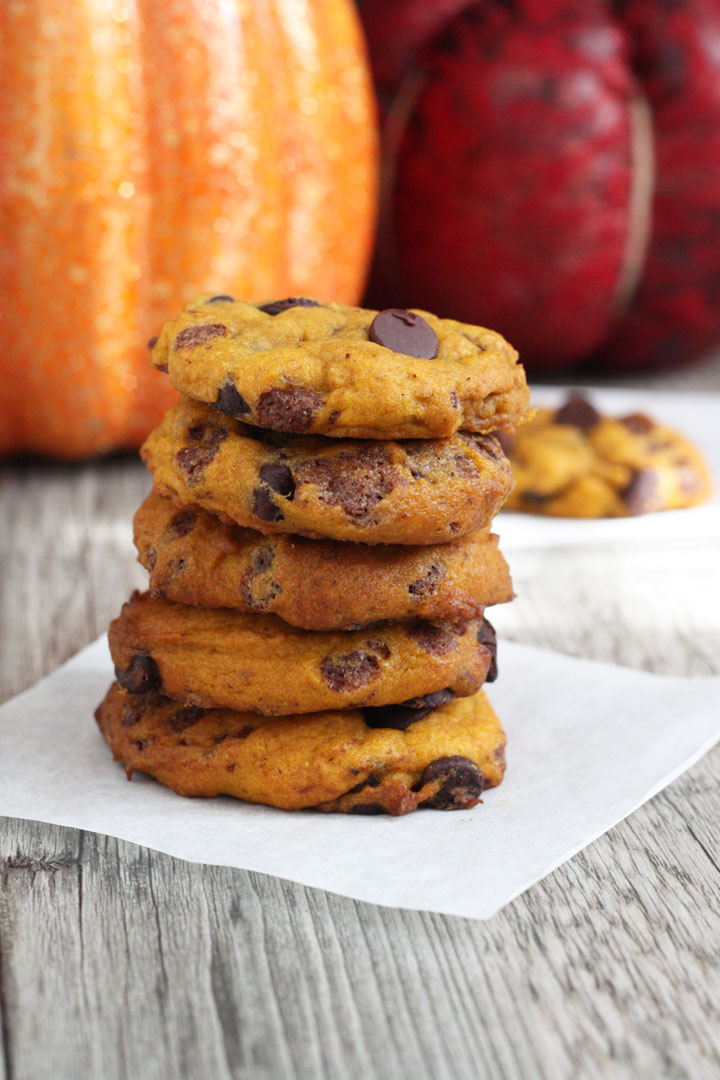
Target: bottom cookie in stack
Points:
(392, 759)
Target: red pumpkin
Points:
(149, 151)
(550, 171)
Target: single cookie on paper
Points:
(352, 762)
(301, 366)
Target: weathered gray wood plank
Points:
(120, 962)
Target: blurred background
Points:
(543, 167)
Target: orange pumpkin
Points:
(150, 150)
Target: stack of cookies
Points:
(320, 558)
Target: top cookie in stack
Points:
(304, 434)
(303, 367)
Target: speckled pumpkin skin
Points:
(152, 150)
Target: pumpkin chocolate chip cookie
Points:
(573, 462)
(332, 761)
(194, 558)
(300, 366)
(415, 492)
(218, 658)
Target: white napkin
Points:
(695, 415)
(587, 744)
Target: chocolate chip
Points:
(428, 583)
(229, 401)
(436, 640)
(222, 298)
(276, 306)
(278, 477)
(535, 498)
(195, 432)
(355, 480)
(366, 808)
(196, 335)
(288, 408)
(487, 637)
(407, 712)
(349, 671)
(264, 507)
(454, 400)
(133, 712)
(194, 459)
(142, 675)
(183, 522)
(577, 411)
(637, 423)
(462, 783)
(379, 647)
(641, 493)
(489, 445)
(152, 343)
(258, 596)
(404, 332)
(185, 718)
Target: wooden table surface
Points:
(117, 961)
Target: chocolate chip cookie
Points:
(335, 761)
(573, 462)
(414, 492)
(194, 558)
(300, 366)
(218, 658)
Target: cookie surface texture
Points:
(217, 658)
(414, 492)
(305, 367)
(332, 761)
(194, 558)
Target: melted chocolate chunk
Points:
(535, 498)
(288, 408)
(152, 343)
(428, 583)
(142, 675)
(366, 808)
(407, 712)
(577, 411)
(641, 493)
(638, 423)
(197, 335)
(276, 306)
(221, 298)
(278, 477)
(194, 459)
(350, 671)
(356, 481)
(264, 507)
(184, 718)
(436, 640)
(462, 783)
(259, 597)
(486, 636)
(183, 522)
(404, 332)
(229, 401)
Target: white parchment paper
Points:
(587, 744)
(695, 415)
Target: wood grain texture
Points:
(116, 961)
